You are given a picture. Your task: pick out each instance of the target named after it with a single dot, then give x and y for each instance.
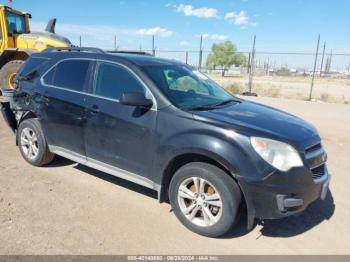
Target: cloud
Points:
(184, 43)
(158, 31)
(218, 37)
(101, 36)
(240, 18)
(85, 30)
(205, 36)
(203, 12)
(215, 37)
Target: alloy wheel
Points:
(200, 202)
(29, 143)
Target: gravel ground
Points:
(70, 209)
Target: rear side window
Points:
(113, 80)
(32, 64)
(70, 74)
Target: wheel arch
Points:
(181, 159)
(11, 54)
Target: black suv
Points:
(166, 126)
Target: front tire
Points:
(205, 199)
(32, 143)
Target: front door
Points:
(119, 135)
(63, 113)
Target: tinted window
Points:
(71, 74)
(185, 87)
(48, 78)
(33, 63)
(114, 80)
(15, 23)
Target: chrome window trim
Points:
(154, 107)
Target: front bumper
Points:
(283, 195)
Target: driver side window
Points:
(113, 80)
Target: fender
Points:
(224, 151)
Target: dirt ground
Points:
(70, 209)
(334, 90)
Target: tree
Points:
(224, 55)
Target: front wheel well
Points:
(26, 116)
(181, 161)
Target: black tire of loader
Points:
(7, 71)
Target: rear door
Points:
(118, 135)
(63, 112)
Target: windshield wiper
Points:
(200, 108)
(225, 102)
(213, 106)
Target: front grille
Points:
(313, 148)
(318, 172)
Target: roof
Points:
(137, 58)
(146, 60)
(14, 10)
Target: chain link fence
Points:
(273, 74)
(279, 74)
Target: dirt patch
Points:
(332, 90)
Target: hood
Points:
(261, 120)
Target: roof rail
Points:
(128, 52)
(76, 49)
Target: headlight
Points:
(280, 155)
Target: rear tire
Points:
(8, 72)
(214, 205)
(32, 143)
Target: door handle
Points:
(95, 109)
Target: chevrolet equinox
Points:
(168, 127)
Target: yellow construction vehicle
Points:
(17, 42)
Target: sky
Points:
(280, 25)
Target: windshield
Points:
(15, 23)
(187, 88)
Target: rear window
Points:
(70, 74)
(32, 64)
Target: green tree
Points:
(224, 55)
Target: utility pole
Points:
(315, 65)
(153, 46)
(115, 43)
(268, 67)
(200, 54)
(186, 57)
(251, 72)
(80, 41)
(249, 60)
(323, 54)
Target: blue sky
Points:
(280, 25)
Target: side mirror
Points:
(136, 99)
